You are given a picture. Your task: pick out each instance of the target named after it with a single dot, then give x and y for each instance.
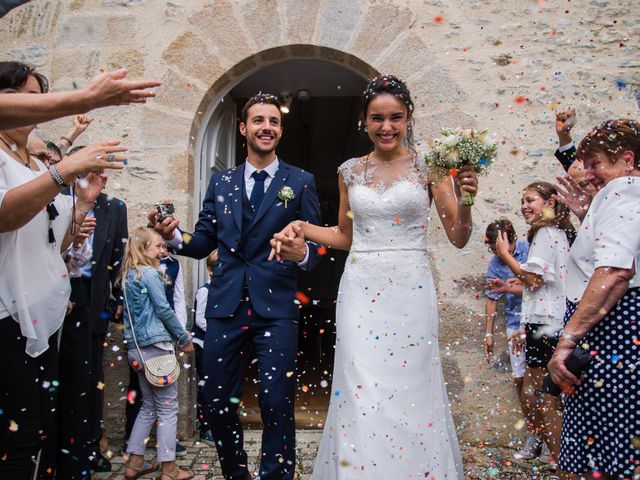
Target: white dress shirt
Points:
(548, 257)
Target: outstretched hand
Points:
(112, 88)
(289, 244)
(574, 196)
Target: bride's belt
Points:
(387, 249)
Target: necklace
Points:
(13, 149)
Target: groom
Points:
(251, 300)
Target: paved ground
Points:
(481, 462)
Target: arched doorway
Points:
(320, 132)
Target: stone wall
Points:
(502, 65)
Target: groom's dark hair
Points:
(267, 98)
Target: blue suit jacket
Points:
(272, 285)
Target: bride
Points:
(389, 415)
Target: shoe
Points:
(181, 450)
(146, 468)
(207, 437)
(99, 463)
(530, 450)
(545, 454)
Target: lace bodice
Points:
(390, 207)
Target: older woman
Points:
(36, 223)
(601, 424)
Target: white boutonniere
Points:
(285, 194)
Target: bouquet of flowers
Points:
(458, 148)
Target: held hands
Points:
(289, 244)
(166, 228)
(511, 285)
(112, 88)
(573, 195)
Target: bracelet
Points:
(57, 178)
(567, 336)
(486, 335)
(65, 138)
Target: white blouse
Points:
(608, 237)
(34, 283)
(548, 258)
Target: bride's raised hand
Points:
(467, 180)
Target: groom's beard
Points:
(255, 147)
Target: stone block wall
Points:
(502, 65)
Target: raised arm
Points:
(456, 218)
(21, 204)
(107, 89)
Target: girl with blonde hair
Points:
(152, 326)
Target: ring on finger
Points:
(111, 158)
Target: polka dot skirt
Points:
(601, 421)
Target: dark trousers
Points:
(73, 400)
(203, 419)
(226, 353)
(28, 396)
(96, 394)
(132, 408)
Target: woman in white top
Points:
(601, 425)
(36, 224)
(543, 299)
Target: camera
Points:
(164, 210)
(577, 362)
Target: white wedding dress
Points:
(389, 415)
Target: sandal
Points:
(174, 475)
(146, 468)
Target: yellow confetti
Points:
(519, 425)
(350, 214)
(100, 386)
(13, 426)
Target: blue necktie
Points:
(257, 194)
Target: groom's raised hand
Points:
(166, 228)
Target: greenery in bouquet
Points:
(458, 148)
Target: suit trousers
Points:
(74, 396)
(96, 395)
(28, 396)
(227, 347)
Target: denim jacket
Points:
(153, 319)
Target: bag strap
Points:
(133, 330)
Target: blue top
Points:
(498, 269)
(153, 319)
